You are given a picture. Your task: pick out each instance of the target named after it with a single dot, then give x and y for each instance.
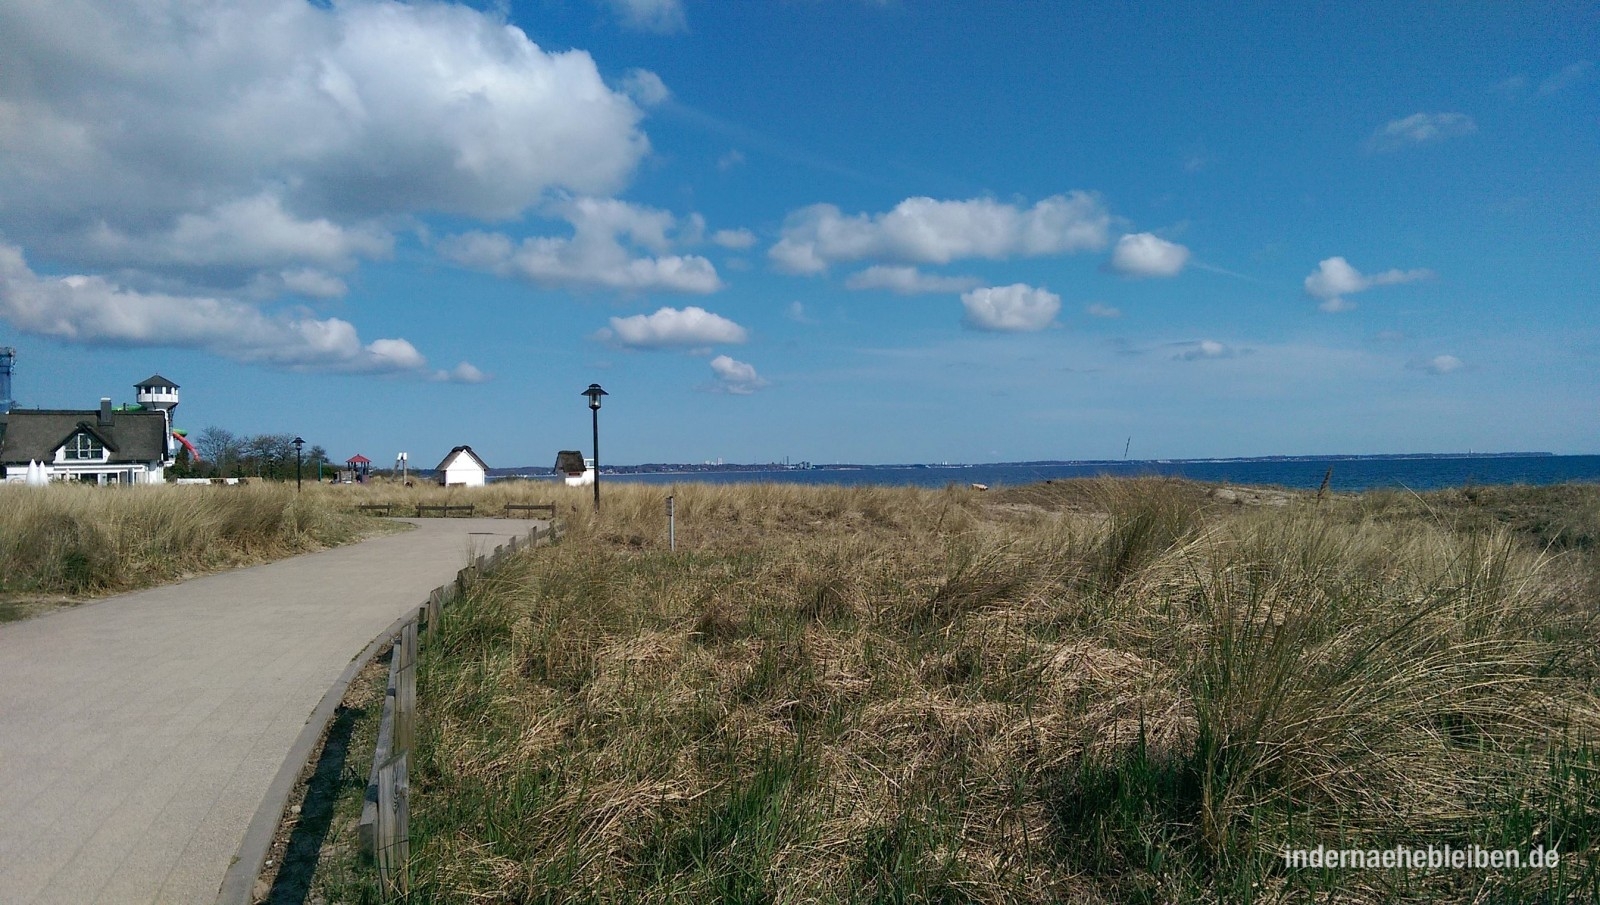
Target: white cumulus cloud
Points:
(734, 238)
(1334, 279)
(594, 256)
(660, 16)
(690, 328)
(908, 280)
(645, 87)
(1565, 77)
(736, 377)
(313, 283)
(244, 233)
(929, 231)
(1421, 128)
(462, 373)
(1148, 255)
(92, 310)
(175, 137)
(1438, 364)
(1018, 308)
(1205, 349)
(1512, 84)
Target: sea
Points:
(1349, 474)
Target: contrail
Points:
(1212, 268)
(760, 141)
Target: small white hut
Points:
(576, 470)
(462, 468)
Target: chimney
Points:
(105, 411)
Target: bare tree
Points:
(261, 455)
(219, 448)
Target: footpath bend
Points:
(139, 733)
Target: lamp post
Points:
(594, 393)
(299, 444)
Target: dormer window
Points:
(85, 446)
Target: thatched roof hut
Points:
(570, 462)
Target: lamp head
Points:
(594, 393)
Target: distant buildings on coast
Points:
(125, 444)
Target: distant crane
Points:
(8, 360)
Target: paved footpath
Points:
(138, 734)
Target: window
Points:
(85, 446)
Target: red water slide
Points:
(194, 454)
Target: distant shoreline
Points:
(655, 468)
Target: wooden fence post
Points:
(435, 611)
(405, 698)
(384, 827)
(367, 828)
(394, 825)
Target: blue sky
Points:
(831, 230)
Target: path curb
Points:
(238, 884)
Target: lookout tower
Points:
(8, 358)
(157, 393)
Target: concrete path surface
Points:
(138, 734)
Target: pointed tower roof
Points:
(462, 451)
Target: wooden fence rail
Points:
(512, 510)
(384, 829)
(367, 829)
(446, 511)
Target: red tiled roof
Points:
(358, 459)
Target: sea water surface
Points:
(1348, 474)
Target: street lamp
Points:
(594, 393)
(299, 444)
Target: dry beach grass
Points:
(66, 541)
(1090, 691)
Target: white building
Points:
(583, 478)
(104, 447)
(576, 469)
(129, 444)
(462, 468)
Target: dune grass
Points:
(80, 540)
(66, 542)
(1092, 691)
